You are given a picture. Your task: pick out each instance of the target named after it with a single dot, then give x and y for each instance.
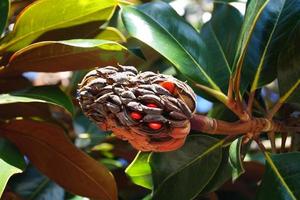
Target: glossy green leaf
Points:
(139, 170)
(274, 27)
(281, 178)
(253, 12)
(11, 162)
(289, 60)
(221, 37)
(41, 94)
(32, 23)
(222, 174)
(68, 55)
(184, 173)
(4, 9)
(235, 158)
(160, 27)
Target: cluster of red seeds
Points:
(154, 125)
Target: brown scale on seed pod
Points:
(151, 111)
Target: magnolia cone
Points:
(151, 111)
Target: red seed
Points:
(152, 105)
(170, 86)
(136, 115)
(155, 125)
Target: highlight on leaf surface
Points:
(151, 111)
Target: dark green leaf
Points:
(289, 60)
(235, 158)
(139, 170)
(54, 56)
(32, 184)
(222, 174)
(281, 178)
(160, 27)
(220, 35)
(32, 23)
(183, 174)
(277, 22)
(11, 162)
(41, 94)
(4, 7)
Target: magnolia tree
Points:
(137, 72)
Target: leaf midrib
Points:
(60, 154)
(277, 173)
(212, 83)
(212, 148)
(37, 59)
(8, 44)
(262, 60)
(220, 47)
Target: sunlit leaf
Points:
(281, 178)
(54, 56)
(139, 170)
(184, 173)
(41, 94)
(4, 7)
(65, 164)
(160, 27)
(11, 162)
(32, 22)
(112, 34)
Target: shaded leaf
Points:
(71, 13)
(40, 94)
(289, 60)
(9, 84)
(235, 159)
(221, 37)
(253, 12)
(4, 8)
(11, 162)
(281, 178)
(184, 173)
(160, 27)
(27, 110)
(139, 170)
(222, 174)
(31, 184)
(274, 26)
(54, 56)
(66, 165)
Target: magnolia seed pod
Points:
(151, 111)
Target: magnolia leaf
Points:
(68, 55)
(160, 27)
(274, 28)
(55, 16)
(40, 94)
(65, 164)
(184, 173)
(4, 9)
(11, 162)
(139, 170)
(281, 178)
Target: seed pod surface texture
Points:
(152, 111)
